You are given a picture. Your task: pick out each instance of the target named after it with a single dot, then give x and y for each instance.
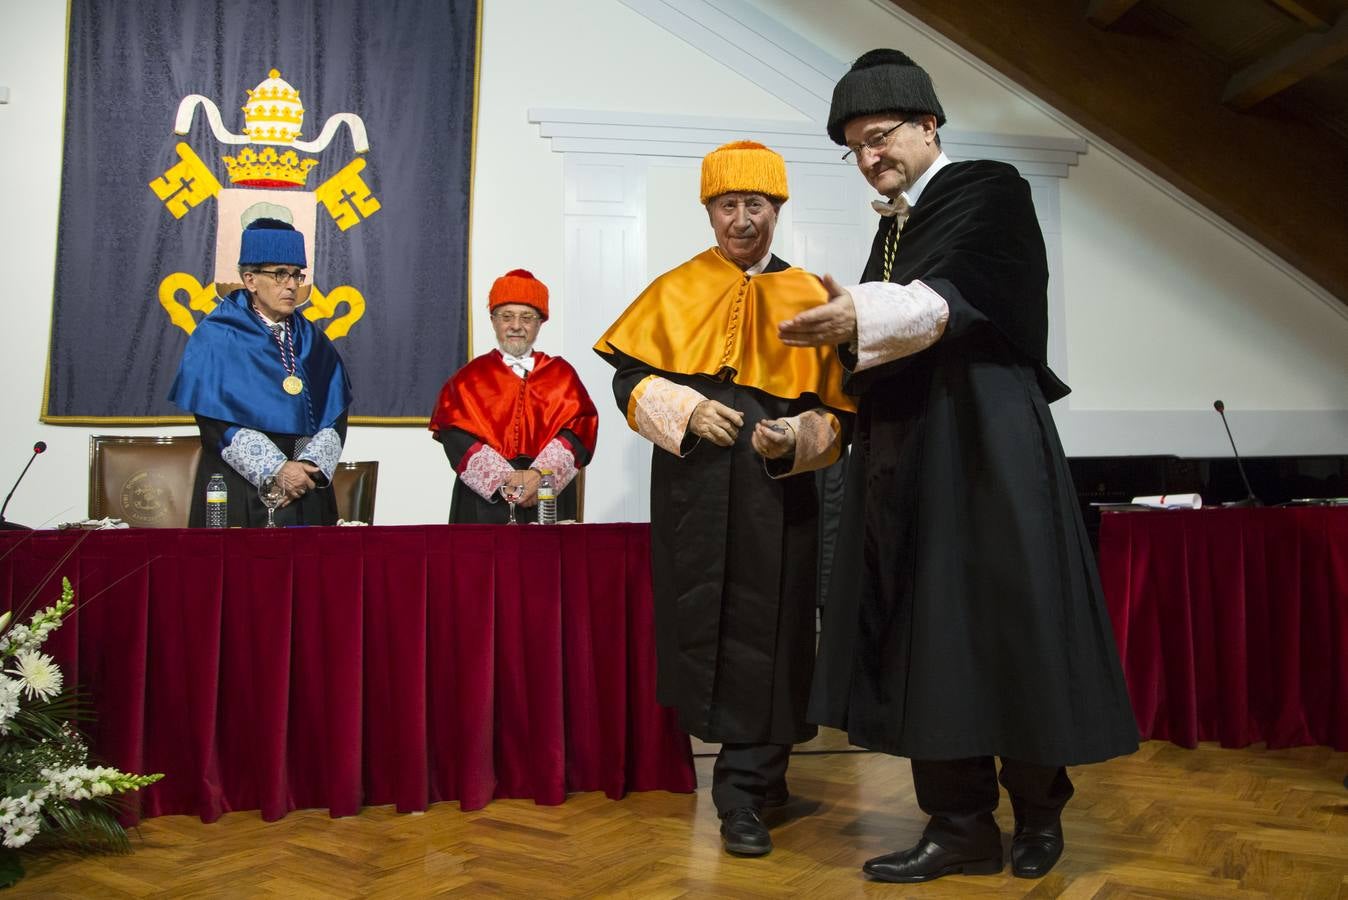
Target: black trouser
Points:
(745, 773)
(961, 794)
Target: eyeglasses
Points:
(525, 319)
(875, 142)
(281, 276)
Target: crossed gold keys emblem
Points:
(264, 185)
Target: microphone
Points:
(1250, 498)
(39, 447)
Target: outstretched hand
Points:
(827, 324)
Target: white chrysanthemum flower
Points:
(40, 675)
(21, 831)
(9, 701)
(31, 803)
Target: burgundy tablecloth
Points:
(341, 667)
(1232, 624)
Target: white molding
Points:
(1199, 433)
(644, 134)
(752, 45)
(1123, 159)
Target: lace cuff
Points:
(557, 457)
(659, 411)
(485, 470)
(818, 443)
(253, 455)
(323, 450)
(896, 320)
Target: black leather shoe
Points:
(744, 834)
(1035, 850)
(928, 861)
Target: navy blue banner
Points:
(186, 119)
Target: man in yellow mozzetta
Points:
(738, 421)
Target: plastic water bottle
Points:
(217, 502)
(547, 498)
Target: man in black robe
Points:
(739, 422)
(969, 623)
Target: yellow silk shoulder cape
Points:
(706, 317)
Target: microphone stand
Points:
(6, 525)
(1250, 499)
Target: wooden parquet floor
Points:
(1165, 822)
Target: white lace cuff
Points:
(485, 472)
(323, 450)
(659, 411)
(253, 455)
(896, 320)
(818, 442)
(557, 457)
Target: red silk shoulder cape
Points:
(517, 416)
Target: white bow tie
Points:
(520, 364)
(899, 208)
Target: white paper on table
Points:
(1171, 501)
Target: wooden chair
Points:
(144, 481)
(354, 485)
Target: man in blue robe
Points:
(268, 389)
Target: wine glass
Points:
(272, 493)
(512, 494)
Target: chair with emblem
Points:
(144, 481)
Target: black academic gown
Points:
(316, 507)
(966, 616)
(734, 562)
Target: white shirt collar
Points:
(758, 267)
(914, 192)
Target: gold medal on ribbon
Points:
(292, 385)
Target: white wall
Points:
(1165, 310)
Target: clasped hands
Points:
(528, 479)
(718, 423)
(296, 477)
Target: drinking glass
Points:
(512, 494)
(272, 494)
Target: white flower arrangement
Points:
(49, 788)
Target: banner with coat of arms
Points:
(187, 119)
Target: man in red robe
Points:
(513, 413)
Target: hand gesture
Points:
(827, 324)
(715, 422)
(774, 438)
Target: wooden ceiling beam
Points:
(1278, 71)
(1154, 97)
(1302, 13)
(1104, 13)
